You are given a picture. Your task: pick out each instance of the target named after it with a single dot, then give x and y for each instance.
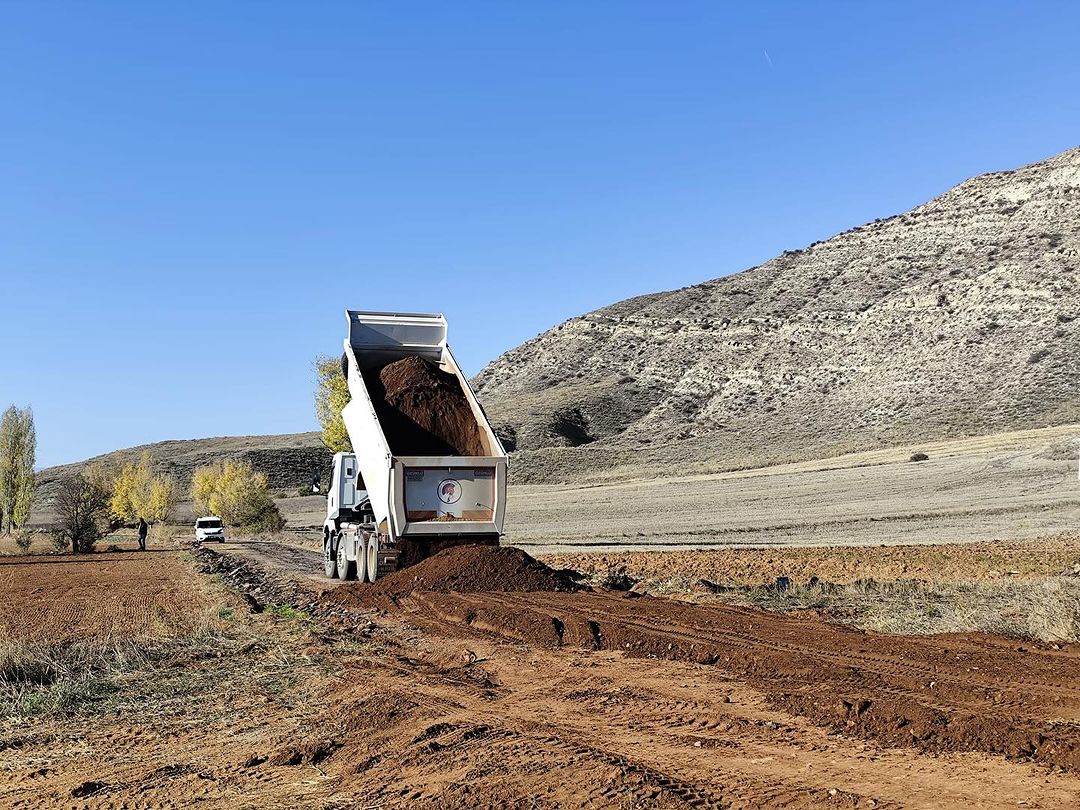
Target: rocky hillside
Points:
(960, 317)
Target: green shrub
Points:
(24, 540)
(287, 612)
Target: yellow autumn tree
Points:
(139, 493)
(331, 397)
(238, 494)
(162, 499)
(203, 486)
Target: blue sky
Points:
(192, 193)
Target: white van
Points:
(209, 528)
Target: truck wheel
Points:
(361, 560)
(373, 557)
(346, 569)
(329, 555)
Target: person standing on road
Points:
(143, 529)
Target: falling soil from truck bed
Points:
(464, 569)
(423, 410)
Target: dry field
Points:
(301, 695)
(989, 561)
(1005, 486)
(1022, 588)
(127, 595)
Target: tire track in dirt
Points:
(542, 733)
(960, 692)
(447, 714)
(536, 747)
(952, 689)
(889, 668)
(523, 751)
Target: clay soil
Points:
(945, 562)
(541, 698)
(423, 410)
(123, 595)
(465, 569)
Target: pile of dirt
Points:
(462, 569)
(423, 410)
(474, 569)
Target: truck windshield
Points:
(209, 524)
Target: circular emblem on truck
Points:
(449, 490)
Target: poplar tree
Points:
(18, 453)
(331, 396)
(139, 493)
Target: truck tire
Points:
(360, 566)
(329, 554)
(345, 365)
(372, 552)
(346, 569)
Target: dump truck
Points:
(403, 494)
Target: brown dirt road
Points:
(555, 699)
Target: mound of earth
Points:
(423, 410)
(463, 569)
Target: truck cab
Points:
(347, 498)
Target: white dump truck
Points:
(390, 504)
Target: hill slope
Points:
(959, 317)
(288, 460)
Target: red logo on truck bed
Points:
(449, 491)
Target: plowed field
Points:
(99, 596)
(942, 562)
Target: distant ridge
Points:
(288, 460)
(959, 317)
